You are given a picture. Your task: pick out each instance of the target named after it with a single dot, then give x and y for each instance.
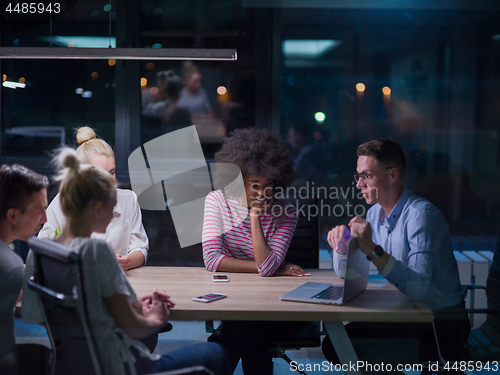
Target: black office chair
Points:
(303, 251)
(58, 282)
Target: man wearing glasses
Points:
(407, 239)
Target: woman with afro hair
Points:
(251, 233)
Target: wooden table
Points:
(252, 297)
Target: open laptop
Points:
(355, 281)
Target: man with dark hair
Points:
(23, 200)
(407, 239)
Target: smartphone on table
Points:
(210, 297)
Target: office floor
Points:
(192, 332)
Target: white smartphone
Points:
(210, 297)
(220, 277)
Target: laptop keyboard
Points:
(332, 293)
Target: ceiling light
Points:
(13, 85)
(118, 53)
(308, 49)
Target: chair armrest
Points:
(49, 294)
(490, 310)
(472, 287)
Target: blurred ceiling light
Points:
(80, 41)
(79, 90)
(87, 94)
(386, 90)
(111, 62)
(13, 85)
(221, 90)
(319, 116)
(144, 82)
(200, 54)
(22, 80)
(360, 87)
(308, 49)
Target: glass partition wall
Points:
(325, 76)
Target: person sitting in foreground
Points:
(125, 233)
(117, 317)
(23, 199)
(407, 239)
(251, 234)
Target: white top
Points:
(125, 233)
(102, 277)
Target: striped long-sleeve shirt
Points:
(227, 232)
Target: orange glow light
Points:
(221, 90)
(153, 91)
(144, 82)
(94, 75)
(4, 77)
(22, 80)
(111, 62)
(150, 66)
(360, 87)
(386, 90)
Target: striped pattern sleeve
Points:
(280, 240)
(212, 240)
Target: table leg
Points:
(342, 345)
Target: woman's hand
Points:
(149, 297)
(289, 269)
(157, 308)
(123, 261)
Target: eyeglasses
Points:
(366, 176)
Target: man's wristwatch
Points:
(377, 252)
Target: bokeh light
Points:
(221, 90)
(360, 87)
(153, 91)
(111, 62)
(221, 130)
(144, 82)
(386, 90)
(317, 136)
(150, 66)
(22, 80)
(79, 91)
(94, 75)
(319, 116)
(4, 77)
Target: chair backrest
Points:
(493, 289)
(58, 282)
(304, 248)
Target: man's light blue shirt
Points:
(422, 264)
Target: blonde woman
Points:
(125, 233)
(117, 316)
